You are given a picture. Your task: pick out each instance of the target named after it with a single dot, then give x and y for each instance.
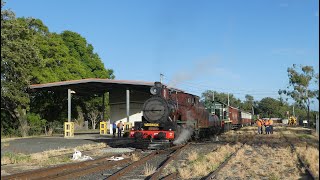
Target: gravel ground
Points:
(39, 144)
(263, 157)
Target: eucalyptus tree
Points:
(301, 79)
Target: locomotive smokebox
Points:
(156, 109)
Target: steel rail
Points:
(301, 161)
(42, 173)
(132, 166)
(214, 173)
(171, 157)
(88, 170)
(171, 176)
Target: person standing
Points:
(120, 127)
(259, 126)
(271, 125)
(114, 129)
(262, 124)
(267, 126)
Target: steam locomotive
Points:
(169, 111)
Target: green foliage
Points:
(14, 158)
(207, 97)
(18, 56)
(272, 108)
(248, 104)
(37, 125)
(300, 81)
(31, 54)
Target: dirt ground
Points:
(264, 156)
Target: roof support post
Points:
(69, 105)
(128, 104)
(103, 106)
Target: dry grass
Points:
(148, 169)
(46, 157)
(135, 157)
(191, 156)
(310, 155)
(12, 158)
(185, 173)
(264, 161)
(6, 144)
(201, 165)
(170, 168)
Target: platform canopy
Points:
(93, 86)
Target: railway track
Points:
(171, 155)
(308, 172)
(74, 170)
(216, 171)
(68, 170)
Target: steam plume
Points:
(184, 136)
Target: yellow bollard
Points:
(126, 128)
(68, 129)
(103, 128)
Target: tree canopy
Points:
(31, 54)
(299, 89)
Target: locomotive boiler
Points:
(169, 111)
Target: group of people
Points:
(118, 126)
(268, 124)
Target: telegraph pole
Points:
(293, 111)
(228, 100)
(213, 103)
(161, 78)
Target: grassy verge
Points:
(45, 158)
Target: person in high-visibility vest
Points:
(271, 125)
(262, 124)
(267, 127)
(259, 124)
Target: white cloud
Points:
(316, 14)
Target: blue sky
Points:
(240, 47)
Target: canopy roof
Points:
(95, 86)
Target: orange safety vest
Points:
(259, 123)
(270, 122)
(267, 123)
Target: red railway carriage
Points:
(234, 116)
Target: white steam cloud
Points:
(199, 68)
(184, 136)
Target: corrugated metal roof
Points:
(96, 85)
(91, 80)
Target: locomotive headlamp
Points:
(154, 90)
